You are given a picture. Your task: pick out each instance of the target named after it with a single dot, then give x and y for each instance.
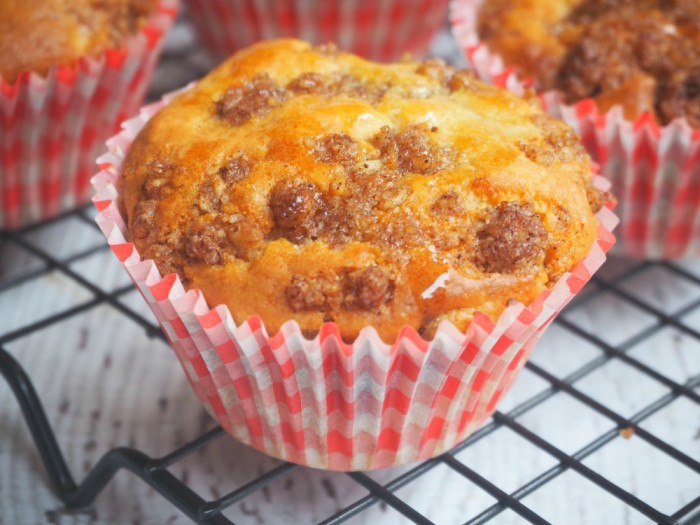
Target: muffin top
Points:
(643, 55)
(299, 182)
(37, 34)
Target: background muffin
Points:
(624, 75)
(38, 34)
(380, 29)
(69, 73)
(641, 55)
(308, 184)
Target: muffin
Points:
(643, 56)
(38, 34)
(69, 73)
(625, 75)
(303, 183)
(332, 208)
(381, 29)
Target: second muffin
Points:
(643, 55)
(70, 72)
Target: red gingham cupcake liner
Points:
(322, 402)
(53, 127)
(379, 29)
(654, 170)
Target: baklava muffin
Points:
(38, 34)
(643, 55)
(299, 182)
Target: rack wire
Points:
(157, 472)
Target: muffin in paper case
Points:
(654, 170)
(381, 29)
(53, 127)
(322, 402)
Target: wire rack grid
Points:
(603, 427)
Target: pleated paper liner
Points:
(322, 402)
(654, 170)
(52, 128)
(378, 29)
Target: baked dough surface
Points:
(298, 182)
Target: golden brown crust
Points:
(38, 34)
(298, 184)
(643, 55)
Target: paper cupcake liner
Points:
(378, 29)
(322, 402)
(53, 127)
(654, 170)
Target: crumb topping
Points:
(511, 239)
(254, 98)
(351, 289)
(342, 192)
(337, 148)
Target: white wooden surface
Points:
(105, 384)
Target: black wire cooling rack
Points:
(157, 472)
